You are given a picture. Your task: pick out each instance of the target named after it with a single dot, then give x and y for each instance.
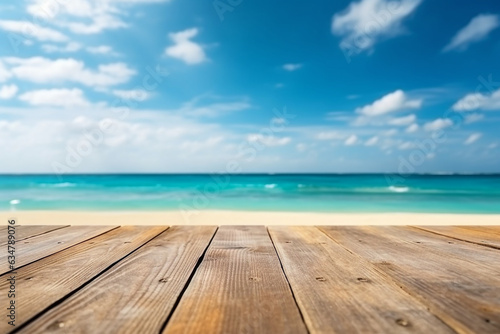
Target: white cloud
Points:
(473, 138)
(392, 102)
(70, 47)
(132, 94)
(8, 91)
(477, 101)
(268, 140)
(84, 16)
(184, 49)
(477, 29)
(366, 22)
(352, 140)
(403, 121)
(292, 67)
(412, 128)
(55, 98)
(372, 141)
(390, 133)
(329, 135)
(203, 106)
(102, 49)
(43, 70)
(438, 124)
(28, 29)
(406, 146)
(473, 118)
(4, 73)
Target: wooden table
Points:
(253, 279)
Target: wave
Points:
(58, 185)
(399, 189)
(270, 186)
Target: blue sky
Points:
(249, 86)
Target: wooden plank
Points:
(488, 229)
(477, 236)
(24, 232)
(48, 280)
(463, 292)
(340, 292)
(137, 294)
(46, 244)
(238, 288)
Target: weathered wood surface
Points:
(137, 294)
(461, 288)
(23, 232)
(249, 279)
(490, 238)
(44, 282)
(46, 244)
(340, 292)
(238, 288)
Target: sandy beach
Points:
(220, 217)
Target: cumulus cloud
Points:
(473, 138)
(330, 135)
(351, 140)
(184, 49)
(55, 98)
(366, 22)
(473, 118)
(291, 67)
(28, 29)
(70, 47)
(477, 101)
(412, 128)
(44, 70)
(395, 101)
(403, 121)
(438, 124)
(268, 140)
(132, 94)
(8, 91)
(477, 29)
(84, 16)
(101, 49)
(372, 141)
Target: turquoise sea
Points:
(280, 192)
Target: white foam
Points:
(399, 189)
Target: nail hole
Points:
(487, 320)
(163, 280)
(402, 322)
(320, 278)
(56, 325)
(254, 279)
(362, 279)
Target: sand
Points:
(216, 217)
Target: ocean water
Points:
(280, 192)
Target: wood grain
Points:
(457, 281)
(44, 282)
(480, 237)
(23, 232)
(137, 294)
(340, 292)
(35, 248)
(238, 288)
